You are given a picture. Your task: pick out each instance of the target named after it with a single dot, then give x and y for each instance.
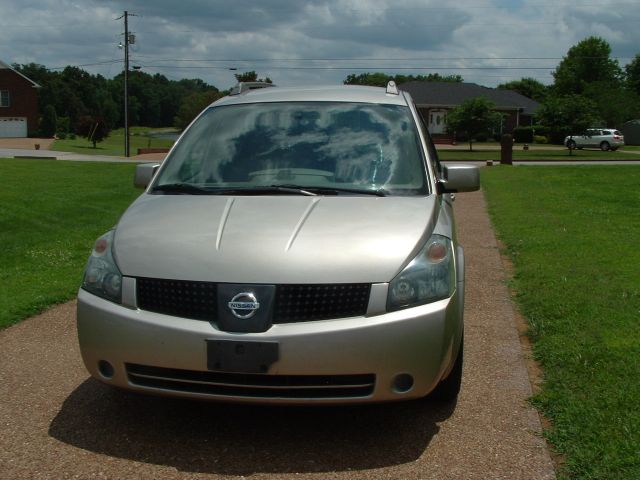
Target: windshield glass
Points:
(350, 146)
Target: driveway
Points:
(56, 422)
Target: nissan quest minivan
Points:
(297, 246)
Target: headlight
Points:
(429, 277)
(101, 276)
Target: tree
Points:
(251, 77)
(632, 74)
(473, 117)
(567, 115)
(586, 62)
(192, 106)
(529, 87)
(379, 79)
(49, 122)
(93, 129)
(614, 105)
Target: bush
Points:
(62, 135)
(523, 134)
(93, 129)
(540, 139)
(49, 122)
(541, 130)
(64, 125)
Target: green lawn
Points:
(52, 212)
(572, 233)
(535, 154)
(139, 137)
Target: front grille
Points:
(302, 303)
(197, 300)
(293, 303)
(252, 385)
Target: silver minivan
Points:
(296, 246)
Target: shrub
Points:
(93, 129)
(541, 130)
(62, 135)
(523, 134)
(64, 125)
(540, 139)
(49, 122)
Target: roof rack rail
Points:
(244, 87)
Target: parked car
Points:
(602, 138)
(296, 246)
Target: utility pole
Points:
(126, 81)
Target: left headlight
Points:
(101, 275)
(429, 277)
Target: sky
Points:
(298, 42)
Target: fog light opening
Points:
(106, 369)
(402, 383)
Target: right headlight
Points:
(102, 276)
(429, 277)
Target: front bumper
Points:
(385, 357)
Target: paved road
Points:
(56, 422)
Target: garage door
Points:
(13, 127)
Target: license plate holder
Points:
(241, 356)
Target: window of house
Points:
(4, 98)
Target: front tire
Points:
(448, 389)
(604, 146)
(571, 145)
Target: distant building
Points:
(435, 99)
(18, 103)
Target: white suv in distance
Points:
(602, 138)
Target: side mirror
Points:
(459, 178)
(144, 174)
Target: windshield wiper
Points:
(262, 190)
(381, 192)
(181, 189)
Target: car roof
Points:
(327, 93)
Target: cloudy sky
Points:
(317, 41)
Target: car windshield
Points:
(321, 147)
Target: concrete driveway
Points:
(56, 422)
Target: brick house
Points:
(18, 103)
(435, 99)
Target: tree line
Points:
(589, 89)
(72, 94)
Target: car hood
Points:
(272, 239)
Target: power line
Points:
(355, 59)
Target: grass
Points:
(139, 137)
(52, 213)
(535, 154)
(572, 234)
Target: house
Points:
(18, 103)
(435, 99)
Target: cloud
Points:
(487, 42)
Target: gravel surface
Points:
(56, 422)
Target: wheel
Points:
(613, 149)
(604, 146)
(571, 145)
(448, 389)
